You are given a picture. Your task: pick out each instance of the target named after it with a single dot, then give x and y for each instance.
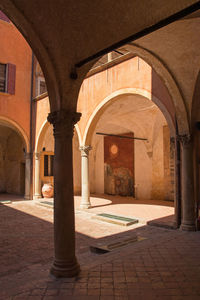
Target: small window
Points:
(48, 165)
(7, 78)
(41, 86)
(2, 78)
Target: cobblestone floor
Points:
(165, 265)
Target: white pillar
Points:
(27, 175)
(37, 189)
(85, 187)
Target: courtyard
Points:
(162, 264)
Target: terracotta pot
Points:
(47, 190)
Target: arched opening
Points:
(44, 153)
(140, 167)
(14, 146)
(139, 106)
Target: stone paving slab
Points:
(115, 219)
(163, 266)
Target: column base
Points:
(188, 227)
(85, 205)
(27, 197)
(35, 197)
(65, 269)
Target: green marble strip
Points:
(118, 218)
(47, 202)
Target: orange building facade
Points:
(15, 95)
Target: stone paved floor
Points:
(165, 265)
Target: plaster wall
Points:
(158, 167)
(146, 121)
(15, 50)
(133, 73)
(143, 171)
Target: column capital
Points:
(28, 155)
(63, 122)
(172, 139)
(184, 139)
(85, 150)
(37, 155)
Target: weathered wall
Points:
(119, 165)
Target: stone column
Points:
(37, 189)
(85, 187)
(172, 168)
(187, 184)
(177, 177)
(65, 263)
(27, 175)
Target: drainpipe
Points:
(31, 128)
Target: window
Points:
(48, 165)
(2, 78)
(41, 86)
(7, 78)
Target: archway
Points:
(153, 167)
(44, 149)
(15, 159)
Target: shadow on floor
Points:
(11, 197)
(26, 239)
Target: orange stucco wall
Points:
(133, 73)
(15, 50)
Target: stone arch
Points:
(128, 91)
(169, 81)
(34, 41)
(42, 132)
(17, 128)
